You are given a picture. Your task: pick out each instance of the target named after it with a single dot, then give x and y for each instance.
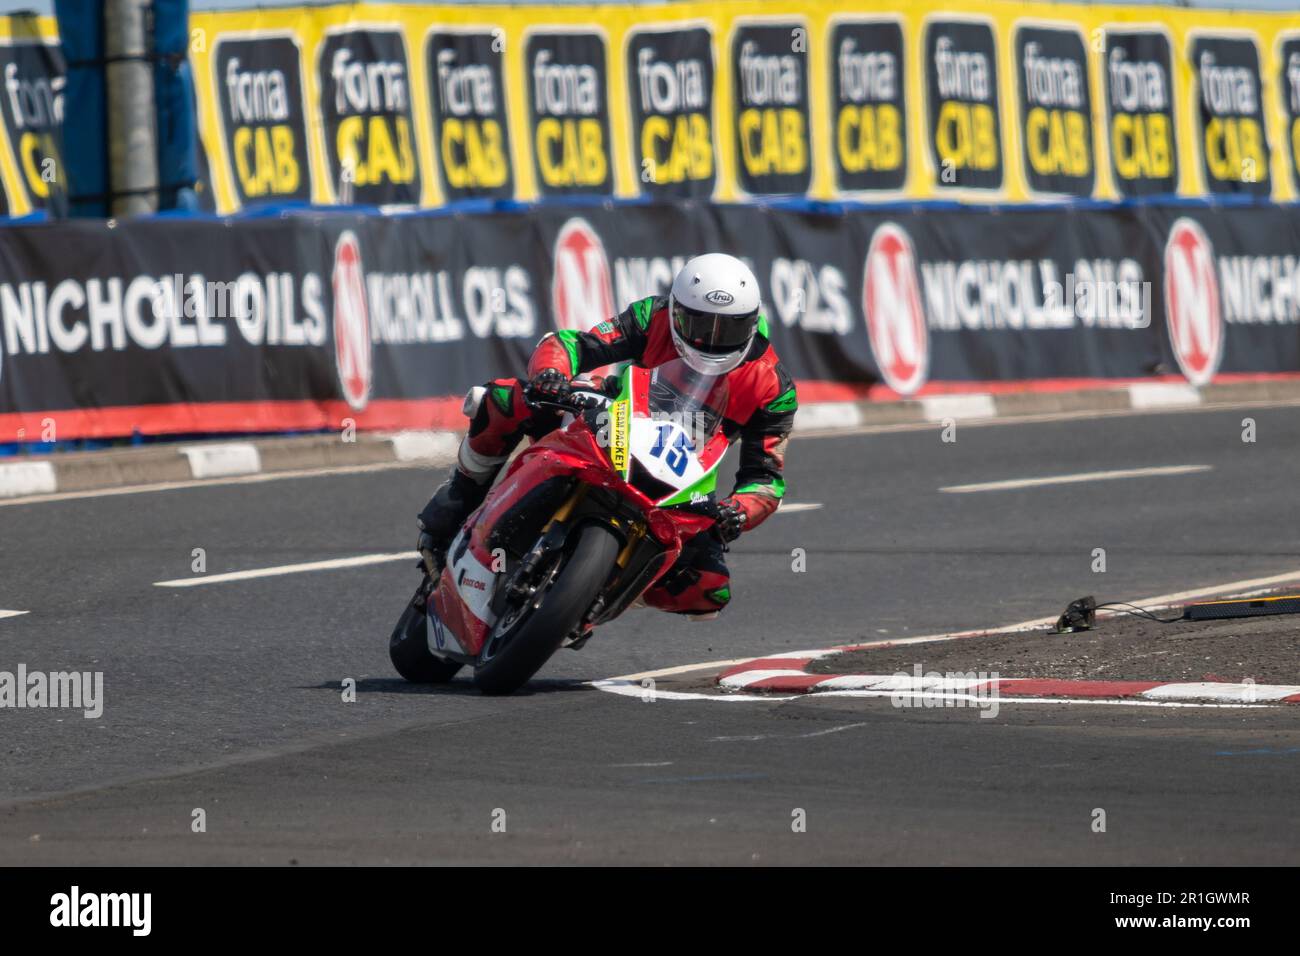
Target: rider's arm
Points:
(621, 339)
(760, 483)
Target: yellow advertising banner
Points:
(402, 104)
(31, 84)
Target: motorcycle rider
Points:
(711, 319)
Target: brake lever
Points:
(573, 407)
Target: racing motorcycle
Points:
(581, 524)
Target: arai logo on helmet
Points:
(1192, 312)
(351, 323)
(720, 297)
(891, 301)
(581, 296)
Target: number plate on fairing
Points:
(665, 450)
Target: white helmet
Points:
(714, 310)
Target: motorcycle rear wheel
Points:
(408, 648)
(510, 658)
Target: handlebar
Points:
(580, 398)
(579, 401)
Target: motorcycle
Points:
(583, 522)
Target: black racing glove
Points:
(731, 519)
(548, 385)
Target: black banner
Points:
(1229, 105)
(468, 97)
(1289, 97)
(566, 73)
(31, 77)
(961, 84)
(670, 90)
(300, 322)
(263, 117)
(1140, 113)
(1055, 111)
(364, 79)
(769, 69)
(867, 89)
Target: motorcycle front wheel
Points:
(525, 637)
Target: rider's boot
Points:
(456, 498)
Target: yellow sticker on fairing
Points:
(618, 439)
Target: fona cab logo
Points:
(1192, 311)
(352, 356)
(891, 302)
(581, 295)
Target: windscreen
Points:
(691, 399)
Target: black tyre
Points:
(408, 649)
(517, 649)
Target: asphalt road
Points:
(227, 697)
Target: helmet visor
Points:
(713, 333)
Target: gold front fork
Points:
(634, 533)
(634, 536)
(562, 513)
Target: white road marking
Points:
(1002, 701)
(629, 685)
(829, 730)
(213, 482)
(1076, 478)
(1042, 418)
(1240, 693)
(687, 668)
(4, 613)
(329, 565)
(745, 738)
(336, 563)
(626, 689)
(794, 507)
